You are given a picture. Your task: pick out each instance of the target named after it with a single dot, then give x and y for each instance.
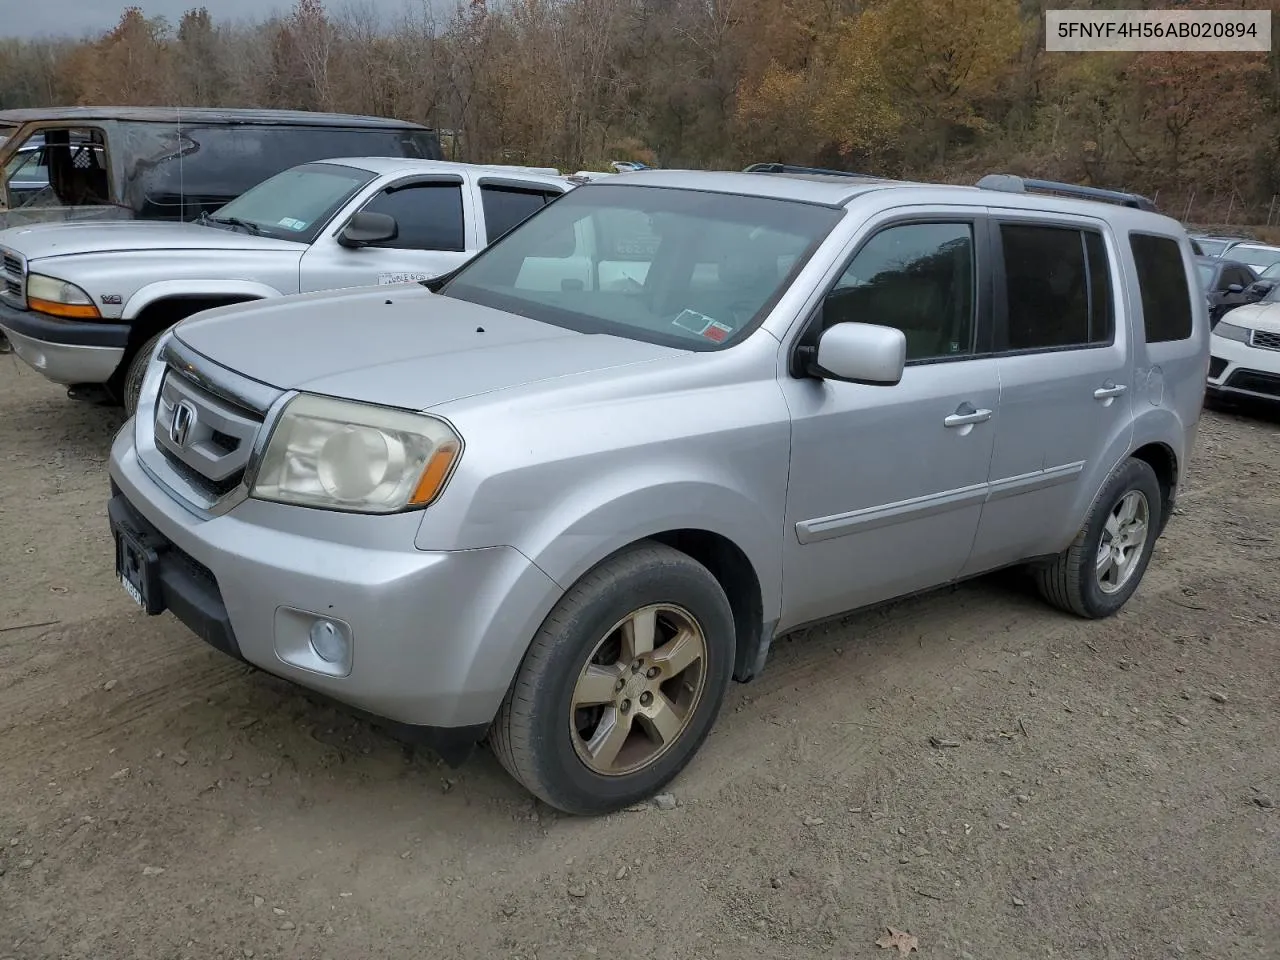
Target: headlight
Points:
(1229, 331)
(341, 455)
(59, 298)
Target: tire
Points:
(545, 739)
(136, 371)
(1076, 581)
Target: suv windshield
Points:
(685, 268)
(1255, 256)
(296, 204)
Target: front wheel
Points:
(622, 683)
(1100, 571)
(137, 370)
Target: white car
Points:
(1244, 362)
(1259, 256)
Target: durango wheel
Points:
(1099, 572)
(622, 683)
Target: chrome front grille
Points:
(13, 279)
(1265, 340)
(201, 427)
(206, 438)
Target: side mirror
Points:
(365, 228)
(859, 353)
(1259, 288)
(1235, 288)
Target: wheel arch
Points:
(1163, 460)
(737, 576)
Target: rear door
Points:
(1066, 387)
(434, 236)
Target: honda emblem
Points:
(184, 418)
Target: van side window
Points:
(1162, 282)
(1058, 287)
(917, 277)
(59, 167)
(429, 215)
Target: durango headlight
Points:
(1229, 331)
(59, 298)
(342, 455)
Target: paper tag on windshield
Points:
(702, 325)
(293, 224)
(402, 277)
(692, 321)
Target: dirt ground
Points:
(1109, 793)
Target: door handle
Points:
(1109, 391)
(966, 415)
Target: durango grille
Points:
(13, 279)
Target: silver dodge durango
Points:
(560, 497)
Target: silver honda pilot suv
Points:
(559, 498)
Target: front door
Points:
(887, 483)
(433, 237)
(1066, 385)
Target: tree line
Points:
(938, 89)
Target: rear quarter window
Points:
(1162, 284)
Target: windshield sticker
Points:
(293, 224)
(384, 278)
(717, 331)
(702, 325)
(692, 321)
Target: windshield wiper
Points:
(247, 225)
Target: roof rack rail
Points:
(792, 168)
(1008, 183)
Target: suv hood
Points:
(40, 240)
(400, 346)
(1256, 316)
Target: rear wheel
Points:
(1100, 571)
(622, 683)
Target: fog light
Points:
(329, 641)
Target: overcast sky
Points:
(76, 18)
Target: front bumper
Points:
(65, 351)
(1242, 372)
(437, 636)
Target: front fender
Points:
(178, 289)
(585, 530)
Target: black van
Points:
(172, 163)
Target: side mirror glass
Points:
(860, 353)
(365, 228)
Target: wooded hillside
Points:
(947, 89)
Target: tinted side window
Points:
(918, 277)
(1237, 275)
(1162, 282)
(429, 215)
(504, 207)
(1058, 287)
